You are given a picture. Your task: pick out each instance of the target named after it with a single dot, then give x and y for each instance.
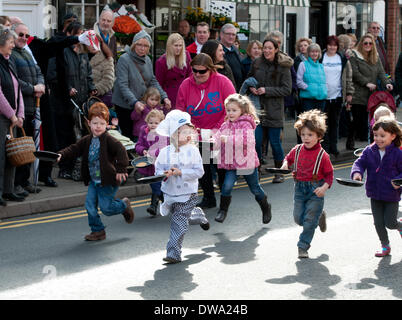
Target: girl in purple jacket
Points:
(383, 162)
(149, 144)
(236, 141)
(152, 99)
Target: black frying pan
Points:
(46, 156)
(349, 182)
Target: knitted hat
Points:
(173, 121)
(140, 35)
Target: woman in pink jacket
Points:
(236, 140)
(173, 67)
(202, 95)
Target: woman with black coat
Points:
(11, 113)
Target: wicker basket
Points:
(20, 150)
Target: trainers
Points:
(385, 251)
(171, 260)
(303, 254)
(96, 236)
(32, 189)
(322, 222)
(204, 226)
(129, 212)
(278, 178)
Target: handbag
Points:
(20, 150)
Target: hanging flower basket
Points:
(126, 25)
(196, 15)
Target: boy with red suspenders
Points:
(313, 174)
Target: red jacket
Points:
(306, 164)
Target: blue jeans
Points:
(274, 138)
(258, 133)
(309, 104)
(156, 188)
(104, 197)
(307, 210)
(251, 179)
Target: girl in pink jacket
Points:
(236, 141)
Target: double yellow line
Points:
(135, 204)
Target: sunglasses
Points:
(200, 71)
(24, 35)
(367, 43)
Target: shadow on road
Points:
(172, 281)
(311, 272)
(236, 252)
(388, 276)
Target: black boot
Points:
(223, 208)
(350, 143)
(278, 178)
(152, 209)
(266, 210)
(207, 203)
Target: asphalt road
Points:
(45, 257)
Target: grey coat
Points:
(278, 84)
(130, 85)
(29, 75)
(364, 73)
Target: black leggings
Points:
(385, 216)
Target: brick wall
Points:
(392, 37)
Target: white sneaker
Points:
(303, 254)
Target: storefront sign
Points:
(349, 15)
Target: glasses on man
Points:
(22, 35)
(230, 34)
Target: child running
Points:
(383, 162)
(383, 110)
(181, 162)
(149, 144)
(313, 174)
(152, 99)
(238, 156)
(103, 168)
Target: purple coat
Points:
(380, 172)
(170, 80)
(139, 118)
(151, 142)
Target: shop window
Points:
(353, 17)
(400, 28)
(87, 11)
(263, 19)
(166, 16)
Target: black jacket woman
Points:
(11, 113)
(214, 49)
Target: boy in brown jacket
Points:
(104, 166)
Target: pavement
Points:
(71, 194)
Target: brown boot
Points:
(96, 236)
(129, 212)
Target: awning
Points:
(291, 3)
